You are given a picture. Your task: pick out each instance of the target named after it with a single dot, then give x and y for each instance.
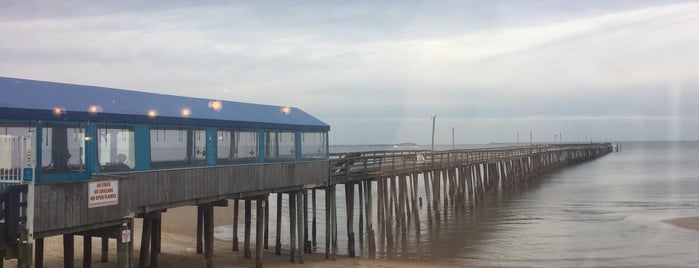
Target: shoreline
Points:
(691, 223)
(179, 249)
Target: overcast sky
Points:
(376, 71)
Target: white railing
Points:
(15, 159)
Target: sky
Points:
(376, 71)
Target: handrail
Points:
(347, 164)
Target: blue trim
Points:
(261, 146)
(64, 177)
(91, 164)
(211, 146)
(142, 144)
(38, 154)
(327, 145)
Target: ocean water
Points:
(603, 213)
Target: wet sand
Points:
(688, 222)
(179, 249)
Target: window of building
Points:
(62, 149)
(12, 154)
(236, 146)
(177, 147)
(314, 145)
(116, 148)
(280, 145)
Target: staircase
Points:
(14, 242)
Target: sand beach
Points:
(687, 222)
(179, 249)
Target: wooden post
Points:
(39, 253)
(380, 216)
(266, 221)
(333, 219)
(306, 241)
(361, 212)
(248, 218)
(145, 240)
(68, 251)
(156, 222)
(87, 251)
(292, 226)
(328, 224)
(392, 209)
(124, 246)
(300, 225)
(209, 234)
(259, 232)
(236, 204)
(349, 199)
(278, 242)
(105, 249)
(388, 214)
(426, 178)
(369, 225)
(313, 224)
(200, 229)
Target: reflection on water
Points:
(603, 213)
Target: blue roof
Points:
(24, 99)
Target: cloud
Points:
(351, 63)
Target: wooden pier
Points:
(86, 161)
(453, 178)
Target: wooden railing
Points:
(372, 164)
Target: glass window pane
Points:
(236, 146)
(177, 147)
(287, 145)
(11, 155)
(63, 149)
(280, 145)
(313, 145)
(116, 149)
(271, 145)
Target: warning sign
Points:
(126, 236)
(103, 193)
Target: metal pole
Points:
(452, 137)
(433, 119)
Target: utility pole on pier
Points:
(433, 118)
(452, 137)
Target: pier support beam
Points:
(278, 242)
(39, 253)
(236, 204)
(266, 221)
(209, 234)
(349, 196)
(292, 226)
(68, 251)
(248, 218)
(87, 251)
(313, 224)
(125, 244)
(145, 241)
(306, 241)
(105, 250)
(200, 230)
(300, 217)
(259, 230)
